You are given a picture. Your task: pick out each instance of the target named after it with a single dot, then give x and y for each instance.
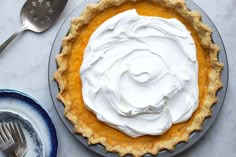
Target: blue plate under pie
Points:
(38, 128)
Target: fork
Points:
(7, 143)
(19, 137)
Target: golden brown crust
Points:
(204, 34)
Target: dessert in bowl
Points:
(138, 76)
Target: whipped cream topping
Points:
(140, 74)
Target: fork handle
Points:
(9, 40)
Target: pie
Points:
(69, 80)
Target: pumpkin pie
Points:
(87, 39)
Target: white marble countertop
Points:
(24, 67)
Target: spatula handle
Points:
(9, 40)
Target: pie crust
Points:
(68, 78)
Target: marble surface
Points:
(24, 67)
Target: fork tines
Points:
(6, 140)
(19, 137)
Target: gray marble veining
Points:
(24, 67)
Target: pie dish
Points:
(70, 86)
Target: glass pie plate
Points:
(195, 136)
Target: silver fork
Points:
(7, 143)
(19, 137)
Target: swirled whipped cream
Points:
(140, 74)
